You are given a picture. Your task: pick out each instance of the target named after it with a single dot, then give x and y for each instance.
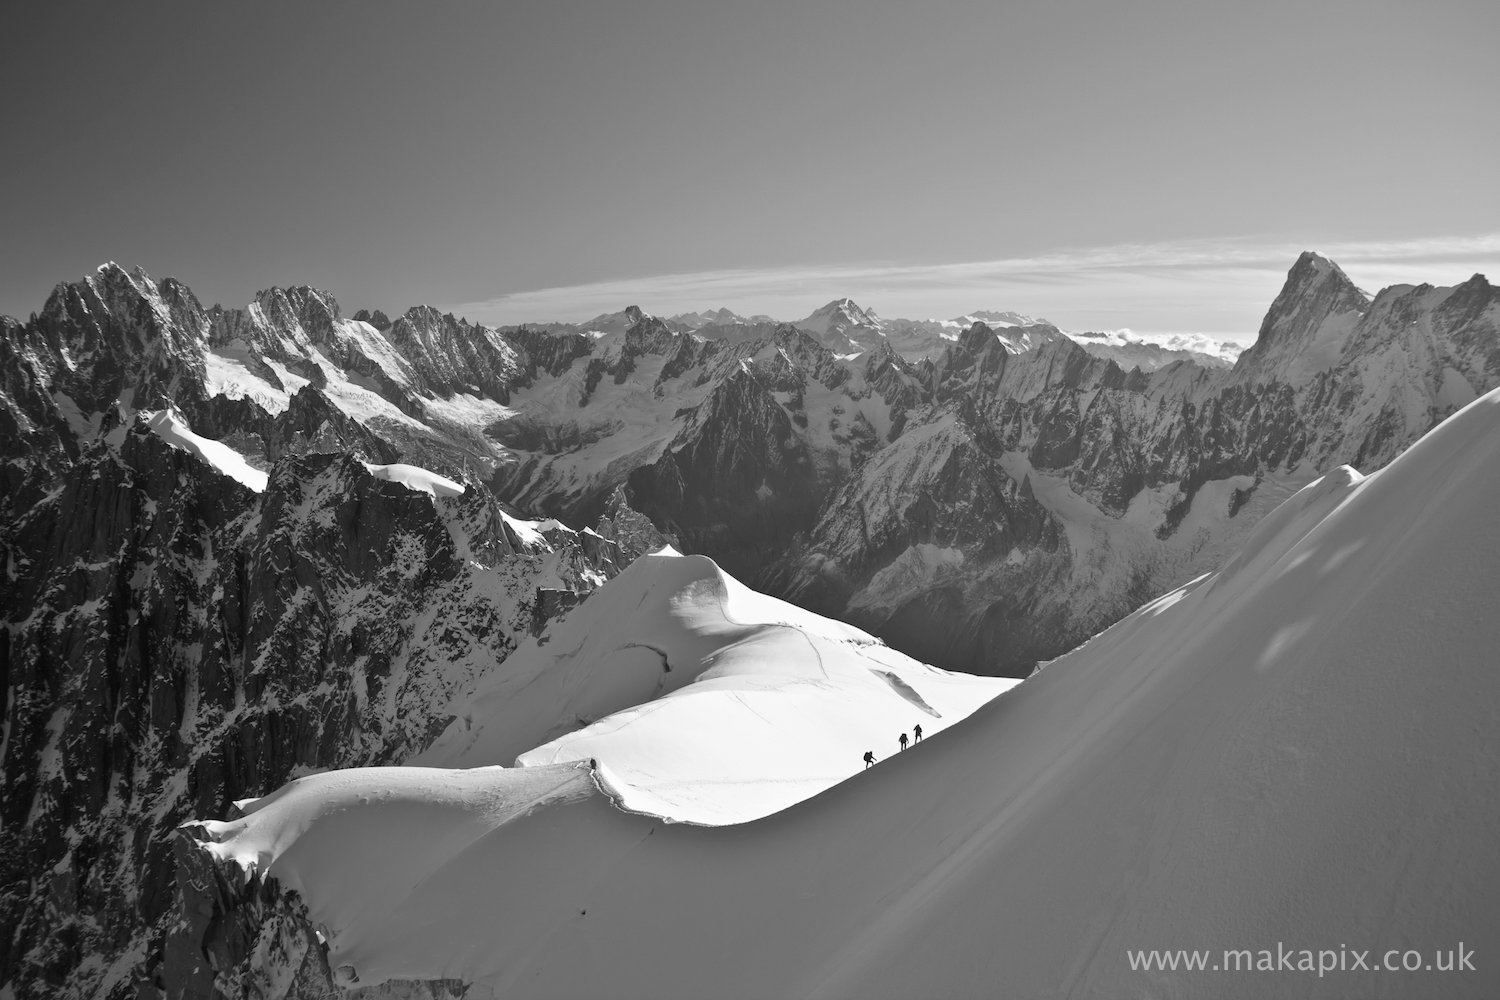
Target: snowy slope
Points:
(171, 428)
(1299, 750)
(702, 700)
(416, 479)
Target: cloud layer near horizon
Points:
(1218, 288)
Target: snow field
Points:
(703, 701)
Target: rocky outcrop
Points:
(632, 531)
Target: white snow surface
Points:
(175, 431)
(416, 479)
(702, 700)
(1299, 750)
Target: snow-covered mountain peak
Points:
(997, 318)
(840, 314)
(844, 327)
(309, 311)
(1312, 275)
(618, 322)
(1305, 329)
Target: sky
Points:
(1152, 166)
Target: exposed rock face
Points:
(714, 439)
(631, 530)
(239, 936)
(450, 356)
(907, 522)
(1306, 326)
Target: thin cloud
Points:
(1214, 288)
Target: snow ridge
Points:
(701, 700)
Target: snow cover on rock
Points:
(174, 430)
(1299, 750)
(702, 700)
(416, 479)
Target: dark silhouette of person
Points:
(903, 741)
(869, 758)
(917, 732)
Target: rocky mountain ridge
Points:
(1151, 476)
(844, 327)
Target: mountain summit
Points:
(1305, 328)
(842, 326)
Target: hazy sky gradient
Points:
(396, 154)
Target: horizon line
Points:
(1067, 280)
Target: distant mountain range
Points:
(846, 328)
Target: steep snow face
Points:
(714, 704)
(417, 479)
(1300, 748)
(174, 430)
